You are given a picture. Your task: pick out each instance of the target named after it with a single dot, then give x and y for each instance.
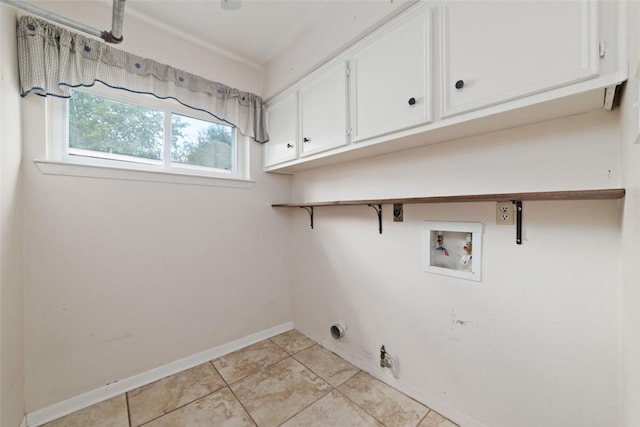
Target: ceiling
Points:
(255, 33)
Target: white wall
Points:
(11, 291)
(630, 318)
(551, 334)
(537, 341)
(125, 276)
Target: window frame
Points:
(57, 152)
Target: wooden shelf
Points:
(515, 198)
(613, 193)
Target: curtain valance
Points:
(52, 60)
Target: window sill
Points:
(49, 167)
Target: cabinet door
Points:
(323, 111)
(495, 51)
(391, 87)
(282, 125)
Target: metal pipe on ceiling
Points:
(114, 36)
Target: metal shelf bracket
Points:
(310, 210)
(378, 209)
(518, 204)
(515, 198)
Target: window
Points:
(118, 129)
(107, 129)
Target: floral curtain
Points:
(52, 60)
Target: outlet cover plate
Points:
(505, 213)
(398, 213)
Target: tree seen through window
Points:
(106, 126)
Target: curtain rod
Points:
(114, 36)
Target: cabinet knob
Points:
(289, 146)
(412, 101)
(459, 84)
(305, 140)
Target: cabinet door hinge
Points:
(349, 131)
(602, 48)
(347, 72)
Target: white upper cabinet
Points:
(496, 51)
(448, 69)
(282, 125)
(323, 111)
(391, 78)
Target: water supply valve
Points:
(385, 359)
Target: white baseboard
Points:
(23, 423)
(50, 413)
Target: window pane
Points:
(201, 143)
(107, 126)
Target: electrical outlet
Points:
(504, 213)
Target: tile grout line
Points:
(333, 388)
(295, 352)
(259, 370)
(253, 373)
(243, 407)
(179, 407)
(425, 416)
(299, 361)
(351, 400)
(292, 356)
(126, 400)
(228, 384)
(317, 375)
(186, 404)
(289, 355)
(276, 344)
(416, 425)
(234, 394)
(311, 404)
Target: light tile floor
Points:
(287, 381)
